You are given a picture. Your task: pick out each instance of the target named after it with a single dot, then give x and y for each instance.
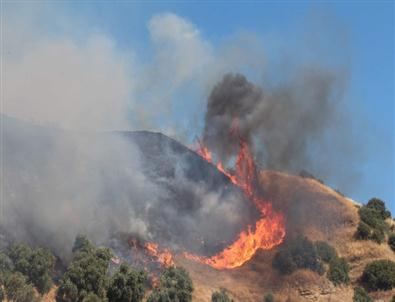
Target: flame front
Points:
(164, 256)
(269, 230)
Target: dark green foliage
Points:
(360, 295)
(91, 297)
(363, 231)
(391, 241)
(325, 251)
(377, 236)
(372, 218)
(87, 274)
(18, 290)
(35, 263)
(338, 271)
(2, 294)
(379, 206)
(268, 298)
(81, 242)
(175, 286)
(127, 285)
(297, 253)
(379, 275)
(159, 295)
(220, 296)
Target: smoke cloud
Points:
(289, 126)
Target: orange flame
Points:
(269, 231)
(162, 256)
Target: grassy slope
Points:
(311, 209)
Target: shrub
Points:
(363, 231)
(297, 253)
(377, 236)
(338, 271)
(268, 298)
(91, 297)
(127, 285)
(175, 285)
(36, 264)
(379, 275)
(2, 294)
(391, 241)
(379, 206)
(220, 296)
(325, 251)
(372, 218)
(360, 295)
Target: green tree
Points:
(18, 290)
(379, 206)
(127, 285)
(379, 275)
(37, 264)
(268, 298)
(338, 271)
(363, 231)
(82, 242)
(91, 297)
(391, 241)
(175, 286)
(325, 251)
(220, 296)
(360, 295)
(377, 236)
(159, 295)
(86, 274)
(298, 253)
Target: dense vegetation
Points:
(391, 241)
(303, 253)
(372, 225)
(295, 254)
(25, 270)
(175, 285)
(220, 296)
(360, 295)
(338, 271)
(379, 275)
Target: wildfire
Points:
(164, 256)
(269, 231)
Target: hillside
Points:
(318, 212)
(180, 216)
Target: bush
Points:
(338, 271)
(360, 295)
(391, 241)
(2, 294)
(127, 285)
(220, 296)
(379, 275)
(297, 253)
(379, 206)
(268, 298)
(175, 285)
(377, 236)
(372, 218)
(325, 251)
(363, 231)
(86, 275)
(37, 264)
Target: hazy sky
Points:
(87, 65)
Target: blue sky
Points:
(356, 38)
